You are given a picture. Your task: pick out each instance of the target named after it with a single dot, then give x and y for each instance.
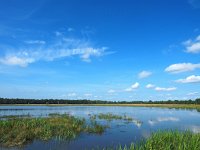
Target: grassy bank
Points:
(17, 131)
(166, 140)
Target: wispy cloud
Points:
(192, 93)
(111, 91)
(189, 79)
(192, 46)
(57, 33)
(70, 29)
(63, 47)
(194, 3)
(182, 67)
(15, 60)
(133, 87)
(144, 74)
(71, 94)
(87, 94)
(165, 89)
(35, 42)
(150, 86)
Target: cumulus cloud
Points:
(61, 48)
(133, 87)
(150, 86)
(165, 89)
(190, 79)
(192, 46)
(144, 74)
(182, 67)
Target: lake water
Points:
(120, 132)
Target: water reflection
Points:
(163, 119)
(194, 129)
(145, 121)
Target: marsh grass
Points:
(166, 140)
(18, 131)
(110, 117)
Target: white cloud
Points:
(133, 87)
(15, 60)
(35, 42)
(182, 67)
(190, 79)
(192, 46)
(128, 89)
(144, 74)
(111, 91)
(88, 94)
(165, 89)
(57, 33)
(198, 38)
(71, 94)
(61, 48)
(150, 86)
(192, 93)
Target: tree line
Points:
(85, 101)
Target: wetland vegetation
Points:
(58, 124)
(166, 140)
(20, 130)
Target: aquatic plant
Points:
(110, 117)
(166, 140)
(18, 131)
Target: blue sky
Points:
(100, 49)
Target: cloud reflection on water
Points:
(162, 119)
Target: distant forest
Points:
(85, 101)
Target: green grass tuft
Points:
(18, 131)
(166, 140)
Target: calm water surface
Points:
(120, 132)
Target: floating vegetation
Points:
(18, 131)
(111, 117)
